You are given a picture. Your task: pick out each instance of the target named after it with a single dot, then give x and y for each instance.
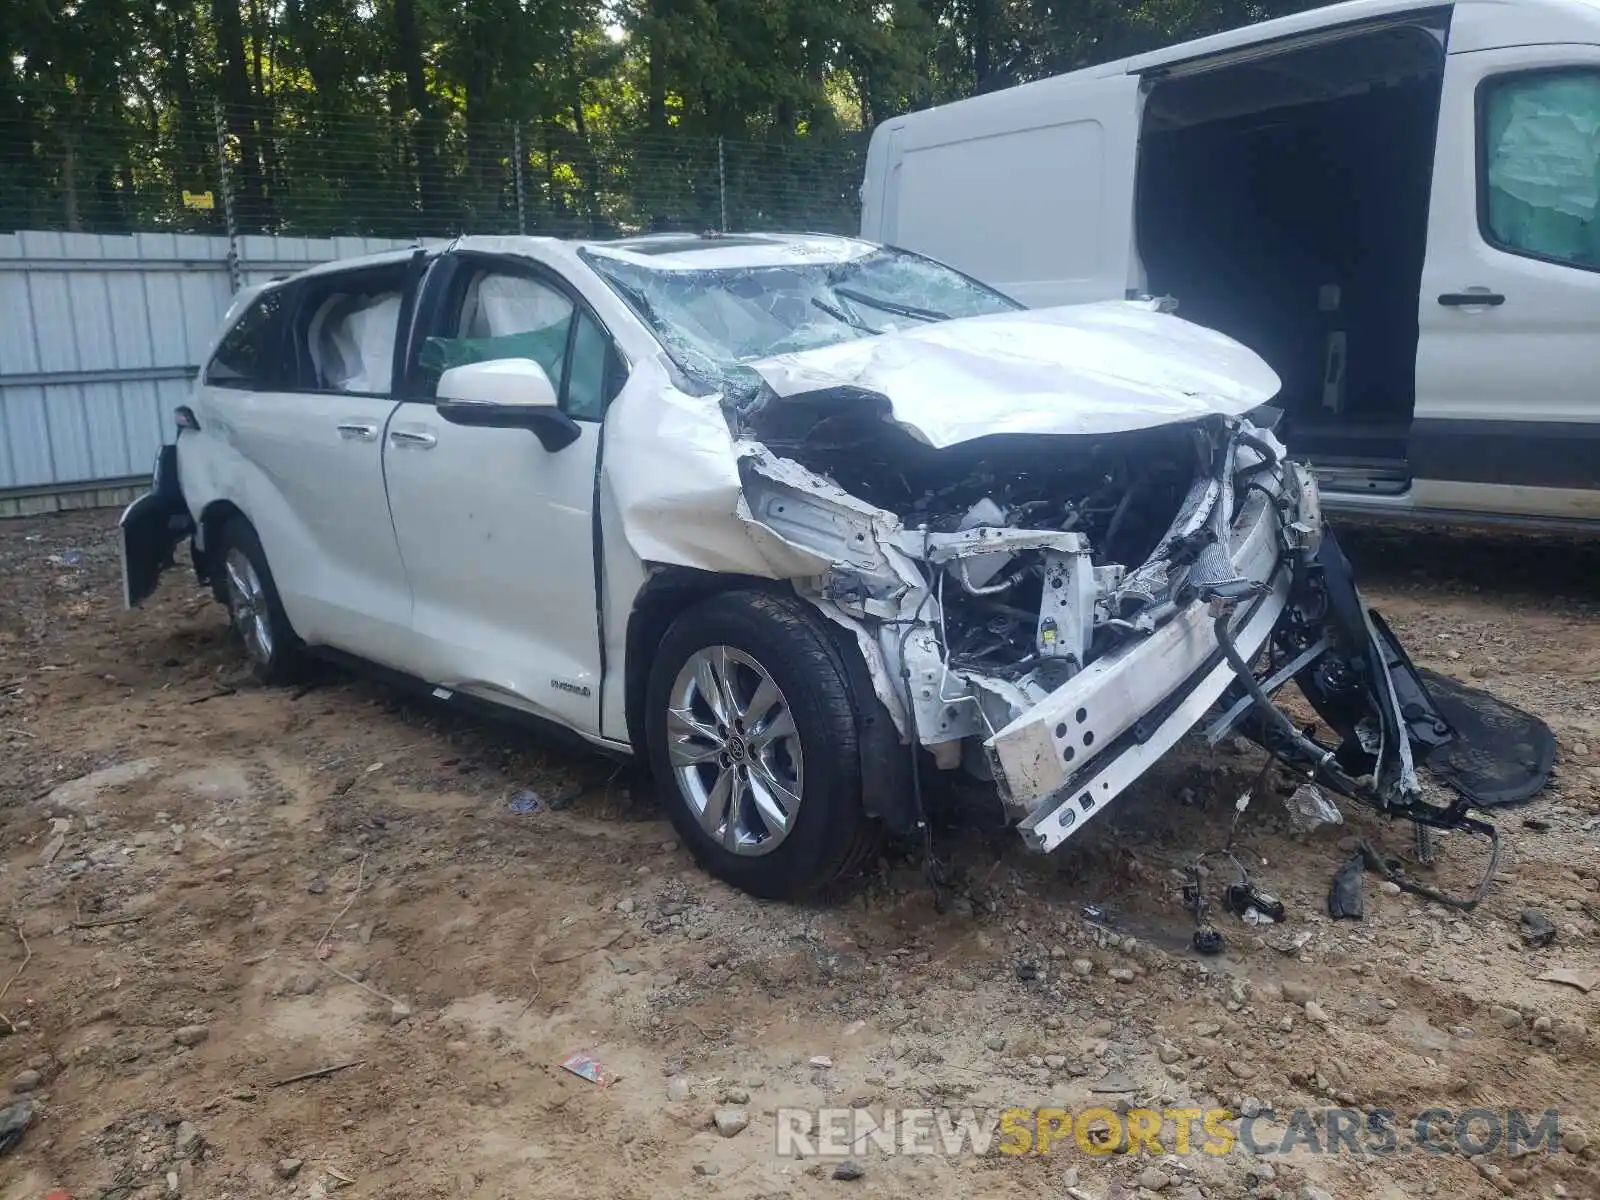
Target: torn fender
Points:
(672, 470)
(689, 494)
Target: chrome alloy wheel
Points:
(247, 601)
(734, 750)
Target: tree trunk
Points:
(322, 59)
(257, 38)
(656, 99)
(430, 167)
(821, 120)
(238, 103)
(69, 185)
(269, 134)
(864, 97)
(555, 200)
(588, 172)
(18, 134)
(109, 213)
(196, 153)
(481, 199)
(128, 193)
(982, 37)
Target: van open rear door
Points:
(1507, 414)
(1029, 189)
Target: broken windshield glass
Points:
(712, 322)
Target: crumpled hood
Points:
(1081, 369)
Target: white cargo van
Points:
(1394, 202)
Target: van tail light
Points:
(185, 418)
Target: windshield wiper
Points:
(839, 314)
(889, 306)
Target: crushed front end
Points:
(1061, 539)
(1055, 613)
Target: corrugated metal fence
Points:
(100, 338)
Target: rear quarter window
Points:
(251, 352)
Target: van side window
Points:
(505, 315)
(1540, 163)
(250, 354)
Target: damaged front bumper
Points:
(1060, 763)
(1121, 663)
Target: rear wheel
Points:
(254, 609)
(753, 743)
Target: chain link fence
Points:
(202, 168)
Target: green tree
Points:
(407, 117)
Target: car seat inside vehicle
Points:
(351, 340)
(505, 316)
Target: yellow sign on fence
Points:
(197, 200)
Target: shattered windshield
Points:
(714, 321)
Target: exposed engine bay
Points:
(1116, 495)
(1031, 556)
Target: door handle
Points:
(1483, 299)
(411, 440)
(355, 431)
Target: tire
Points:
(748, 636)
(254, 609)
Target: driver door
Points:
(497, 534)
(1508, 413)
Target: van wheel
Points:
(752, 740)
(254, 609)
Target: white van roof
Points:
(1474, 25)
(1533, 22)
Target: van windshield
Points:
(712, 322)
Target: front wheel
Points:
(753, 742)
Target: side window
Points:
(506, 314)
(1540, 163)
(250, 354)
(345, 331)
(586, 386)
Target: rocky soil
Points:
(208, 889)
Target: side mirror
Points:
(507, 393)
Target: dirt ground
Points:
(221, 887)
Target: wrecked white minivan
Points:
(801, 520)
